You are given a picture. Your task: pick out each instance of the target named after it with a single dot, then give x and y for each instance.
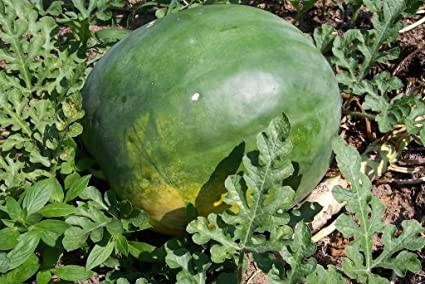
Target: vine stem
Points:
(355, 15)
(324, 8)
(361, 114)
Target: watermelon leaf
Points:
(298, 254)
(365, 223)
(356, 51)
(193, 265)
(324, 36)
(260, 199)
(329, 275)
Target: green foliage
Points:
(402, 110)
(356, 51)
(175, 6)
(302, 6)
(40, 103)
(365, 223)
(322, 275)
(324, 36)
(84, 13)
(193, 265)
(44, 216)
(298, 254)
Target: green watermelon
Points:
(171, 108)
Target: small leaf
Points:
(14, 210)
(322, 275)
(73, 273)
(76, 186)
(92, 193)
(43, 277)
(73, 239)
(111, 35)
(142, 281)
(57, 210)
(193, 265)
(121, 244)
(137, 249)
(98, 255)
(324, 37)
(38, 195)
(8, 238)
(160, 13)
(298, 254)
(115, 227)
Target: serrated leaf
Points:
(324, 36)
(322, 275)
(14, 210)
(260, 198)
(401, 110)
(193, 265)
(357, 51)
(367, 211)
(298, 254)
(39, 79)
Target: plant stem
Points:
(361, 114)
(355, 15)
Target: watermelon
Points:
(171, 108)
